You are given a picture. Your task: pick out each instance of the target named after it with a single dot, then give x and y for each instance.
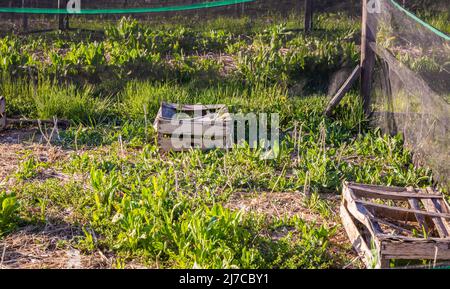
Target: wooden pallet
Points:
(2, 112)
(183, 127)
(385, 223)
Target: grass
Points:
(438, 20)
(8, 213)
(173, 210)
(141, 204)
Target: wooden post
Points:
(24, 18)
(60, 17)
(66, 18)
(308, 15)
(343, 90)
(367, 57)
(66, 22)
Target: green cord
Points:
(420, 21)
(125, 11)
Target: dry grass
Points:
(15, 144)
(273, 205)
(48, 247)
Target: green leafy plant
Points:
(9, 207)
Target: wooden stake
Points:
(343, 90)
(24, 18)
(308, 16)
(66, 18)
(60, 17)
(66, 22)
(367, 57)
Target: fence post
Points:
(60, 17)
(24, 18)
(367, 57)
(308, 15)
(66, 22)
(66, 19)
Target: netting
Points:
(145, 6)
(206, 33)
(113, 7)
(45, 14)
(411, 89)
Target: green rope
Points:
(126, 10)
(420, 21)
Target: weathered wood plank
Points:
(444, 206)
(24, 18)
(440, 223)
(169, 144)
(195, 107)
(367, 55)
(414, 204)
(425, 213)
(215, 128)
(308, 15)
(397, 238)
(396, 215)
(343, 90)
(355, 237)
(360, 212)
(441, 207)
(415, 250)
(371, 193)
(377, 187)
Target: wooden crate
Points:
(183, 127)
(385, 223)
(2, 112)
